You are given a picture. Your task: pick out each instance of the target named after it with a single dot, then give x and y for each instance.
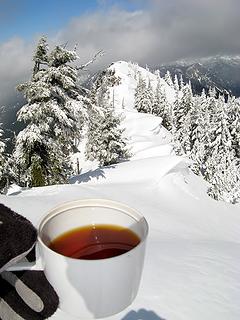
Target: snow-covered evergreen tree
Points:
(105, 141)
(139, 92)
(7, 174)
(176, 84)
(183, 113)
(143, 96)
(41, 54)
(161, 107)
(225, 180)
(2, 157)
(184, 135)
(52, 115)
(212, 104)
(178, 110)
(234, 123)
(149, 97)
(221, 136)
(157, 105)
(168, 79)
(201, 135)
(181, 82)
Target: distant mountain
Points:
(222, 72)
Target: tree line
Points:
(205, 128)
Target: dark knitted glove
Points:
(24, 295)
(17, 237)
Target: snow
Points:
(123, 94)
(191, 269)
(147, 138)
(13, 189)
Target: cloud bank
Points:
(162, 32)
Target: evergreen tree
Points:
(221, 136)
(183, 112)
(168, 79)
(212, 93)
(161, 106)
(139, 92)
(176, 84)
(212, 104)
(52, 115)
(234, 124)
(41, 54)
(7, 174)
(149, 97)
(2, 161)
(157, 74)
(156, 106)
(225, 180)
(201, 138)
(105, 141)
(143, 96)
(181, 83)
(174, 111)
(184, 135)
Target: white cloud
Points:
(15, 66)
(121, 34)
(165, 31)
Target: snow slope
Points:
(147, 138)
(191, 270)
(192, 264)
(123, 94)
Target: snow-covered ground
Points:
(123, 94)
(191, 270)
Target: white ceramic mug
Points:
(91, 289)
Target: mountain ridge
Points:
(221, 72)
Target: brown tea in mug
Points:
(95, 242)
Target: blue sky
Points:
(26, 18)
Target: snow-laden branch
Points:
(100, 53)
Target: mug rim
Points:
(88, 202)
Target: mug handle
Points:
(25, 265)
